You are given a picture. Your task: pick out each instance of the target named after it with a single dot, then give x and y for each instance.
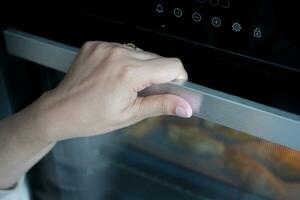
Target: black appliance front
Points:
(248, 49)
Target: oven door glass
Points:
(204, 159)
(168, 158)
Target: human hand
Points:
(100, 92)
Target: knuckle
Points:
(162, 106)
(108, 50)
(139, 110)
(102, 46)
(177, 62)
(88, 44)
(128, 72)
(179, 69)
(116, 51)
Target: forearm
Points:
(20, 146)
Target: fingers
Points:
(143, 55)
(152, 68)
(158, 71)
(138, 53)
(162, 105)
(149, 68)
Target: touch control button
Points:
(177, 12)
(159, 8)
(216, 22)
(196, 17)
(257, 33)
(236, 27)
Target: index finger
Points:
(158, 71)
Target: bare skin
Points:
(97, 96)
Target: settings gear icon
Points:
(237, 27)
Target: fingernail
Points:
(181, 112)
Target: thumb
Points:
(167, 104)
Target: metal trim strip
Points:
(240, 114)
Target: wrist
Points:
(34, 119)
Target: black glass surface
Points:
(263, 69)
(261, 29)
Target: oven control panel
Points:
(219, 23)
(263, 30)
(260, 29)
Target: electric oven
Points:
(243, 60)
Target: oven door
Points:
(232, 148)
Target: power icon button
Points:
(178, 12)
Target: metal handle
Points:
(258, 120)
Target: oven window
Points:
(235, 159)
(169, 158)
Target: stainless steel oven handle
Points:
(240, 114)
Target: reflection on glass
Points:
(237, 159)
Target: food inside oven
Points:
(243, 161)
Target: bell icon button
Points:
(257, 33)
(159, 9)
